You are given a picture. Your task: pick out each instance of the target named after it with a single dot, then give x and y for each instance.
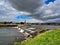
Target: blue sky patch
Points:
(23, 17)
(48, 1)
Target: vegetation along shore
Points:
(51, 37)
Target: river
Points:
(46, 26)
(8, 35)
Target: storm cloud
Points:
(48, 12)
(26, 5)
(38, 9)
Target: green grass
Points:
(1, 22)
(47, 38)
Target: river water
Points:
(46, 26)
(8, 35)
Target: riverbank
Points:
(8, 25)
(32, 35)
(51, 37)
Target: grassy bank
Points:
(46, 38)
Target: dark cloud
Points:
(48, 12)
(40, 17)
(26, 5)
(45, 13)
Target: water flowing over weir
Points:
(9, 35)
(35, 30)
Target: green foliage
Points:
(6, 22)
(1, 22)
(16, 43)
(47, 38)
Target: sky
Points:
(30, 10)
(48, 1)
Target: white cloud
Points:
(8, 13)
(48, 12)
